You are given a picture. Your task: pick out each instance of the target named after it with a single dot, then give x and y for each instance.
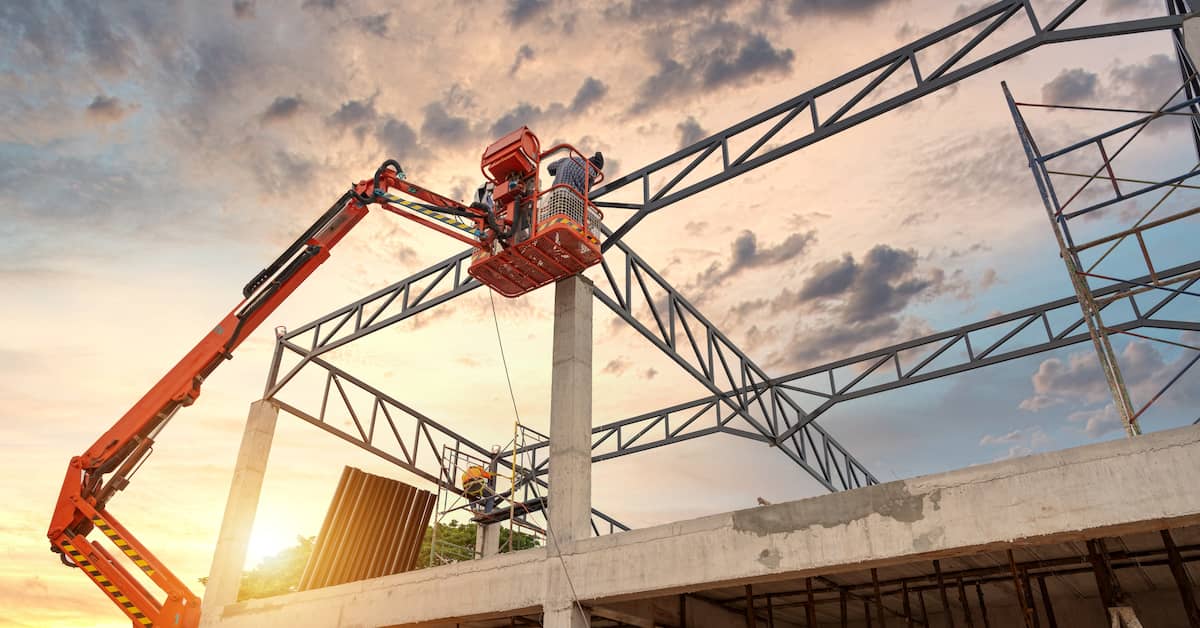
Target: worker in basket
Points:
(475, 482)
(575, 173)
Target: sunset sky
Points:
(155, 155)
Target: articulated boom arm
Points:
(96, 475)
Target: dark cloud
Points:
(858, 303)
(107, 109)
(523, 114)
(327, 5)
(524, 53)
(720, 54)
(591, 92)
(356, 116)
(830, 278)
(690, 132)
(520, 12)
(811, 345)
(745, 252)
(835, 8)
(694, 227)
(398, 139)
(755, 56)
(616, 366)
(376, 25)
(441, 128)
(659, 9)
(1148, 83)
(1071, 86)
(243, 9)
(283, 108)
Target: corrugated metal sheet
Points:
(373, 528)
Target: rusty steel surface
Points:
(373, 528)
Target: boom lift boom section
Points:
(500, 229)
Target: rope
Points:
(533, 485)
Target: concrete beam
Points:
(229, 555)
(1119, 487)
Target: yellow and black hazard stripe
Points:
(563, 220)
(124, 545)
(130, 608)
(425, 210)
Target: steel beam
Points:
(987, 20)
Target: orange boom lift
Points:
(525, 239)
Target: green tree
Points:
(276, 574)
(457, 542)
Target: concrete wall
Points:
(1109, 488)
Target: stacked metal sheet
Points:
(373, 528)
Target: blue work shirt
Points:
(575, 173)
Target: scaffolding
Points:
(514, 498)
(1107, 236)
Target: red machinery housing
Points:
(545, 235)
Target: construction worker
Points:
(575, 173)
(475, 482)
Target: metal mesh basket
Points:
(565, 202)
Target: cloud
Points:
(745, 252)
(521, 12)
(355, 115)
(659, 9)
(590, 92)
(327, 5)
(690, 132)
(883, 283)
(243, 9)
(1018, 442)
(1148, 83)
(714, 56)
(441, 128)
(616, 366)
(1071, 86)
(1079, 384)
(524, 53)
(105, 109)
(1121, 6)
(376, 25)
(1097, 423)
(650, 373)
(834, 8)
(398, 138)
(282, 108)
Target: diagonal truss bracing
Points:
(711, 415)
(804, 108)
(741, 390)
(382, 425)
(643, 299)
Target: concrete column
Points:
(570, 475)
(487, 539)
(571, 413)
(225, 575)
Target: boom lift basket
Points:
(562, 236)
